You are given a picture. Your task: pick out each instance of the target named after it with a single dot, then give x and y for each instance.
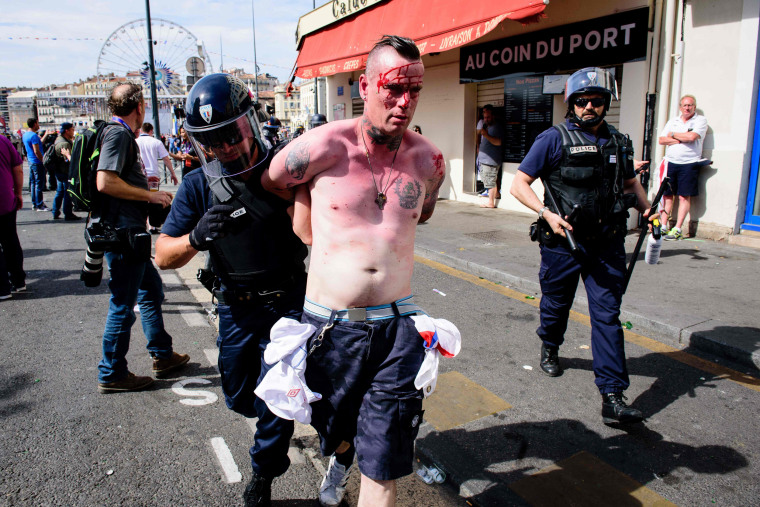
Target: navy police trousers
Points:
(602, 268)
(243, 337)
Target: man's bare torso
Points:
(362, 255)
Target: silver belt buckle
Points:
(357, 314)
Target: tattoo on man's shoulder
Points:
(408, 193)
(297, 160)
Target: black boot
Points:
(550, 361)
(258, 493)
(615, 410)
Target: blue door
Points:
(752, 211)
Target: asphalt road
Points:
(63, 443)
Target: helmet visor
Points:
(235, 144)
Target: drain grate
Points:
(489, 236)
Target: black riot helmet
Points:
(317, 120)
(222, 124)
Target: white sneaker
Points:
(333, 487)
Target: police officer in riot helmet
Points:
(317, 120)
(257, 262)
(271, 129)
(588, 167)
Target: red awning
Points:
(434, 26)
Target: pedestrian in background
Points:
(587, 165)
(682, 137)
(34, 154)
(124, 206)
(489, 154)
(62, 160)
(49, 138)
(12, 276)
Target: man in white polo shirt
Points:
(683, 137)
(151, 151)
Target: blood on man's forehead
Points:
(401, 75)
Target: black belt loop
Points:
(395, 310)
(331, 320)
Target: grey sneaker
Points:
(333, 487)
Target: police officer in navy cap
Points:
(588, 166)
(256, 259)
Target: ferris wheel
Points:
(179, 57)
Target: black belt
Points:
(276, 292)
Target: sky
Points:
(26, 60)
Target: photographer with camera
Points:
(256, 259)
(123, 207)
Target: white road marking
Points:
(224, 456)
(212, 355)
(193, 317)
(295, 455)
(318, 466)
(206, 397)
(170, 279)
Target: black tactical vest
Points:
(591, 177)
(261, 250)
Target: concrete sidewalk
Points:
(702, 293)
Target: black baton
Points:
(644, 229)
(553, 201)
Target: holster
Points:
(541, 232)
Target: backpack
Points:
(85, 154)
(50, 160)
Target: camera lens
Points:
(92, 271)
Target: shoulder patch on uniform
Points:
(586, 148)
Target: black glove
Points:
(212, 226)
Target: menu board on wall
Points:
(528, 112)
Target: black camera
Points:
(101, 237)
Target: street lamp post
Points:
(153, 95)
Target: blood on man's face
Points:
(393, 93)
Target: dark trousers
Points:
(62, 197)
(243, 337)
(602, 268)
(11, 255)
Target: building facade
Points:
(659, 50)
(22, 105)
(287, 107)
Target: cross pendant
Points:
(381, 200)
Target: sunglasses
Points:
(595, 102)
(216, 139)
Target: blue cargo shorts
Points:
(365, 371)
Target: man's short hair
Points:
(488, 107)
(125, 98)
(147, 127)
(692, 97)
(402, 45)
(31, 122)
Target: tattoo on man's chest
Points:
(297, 161)
(408, 193)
